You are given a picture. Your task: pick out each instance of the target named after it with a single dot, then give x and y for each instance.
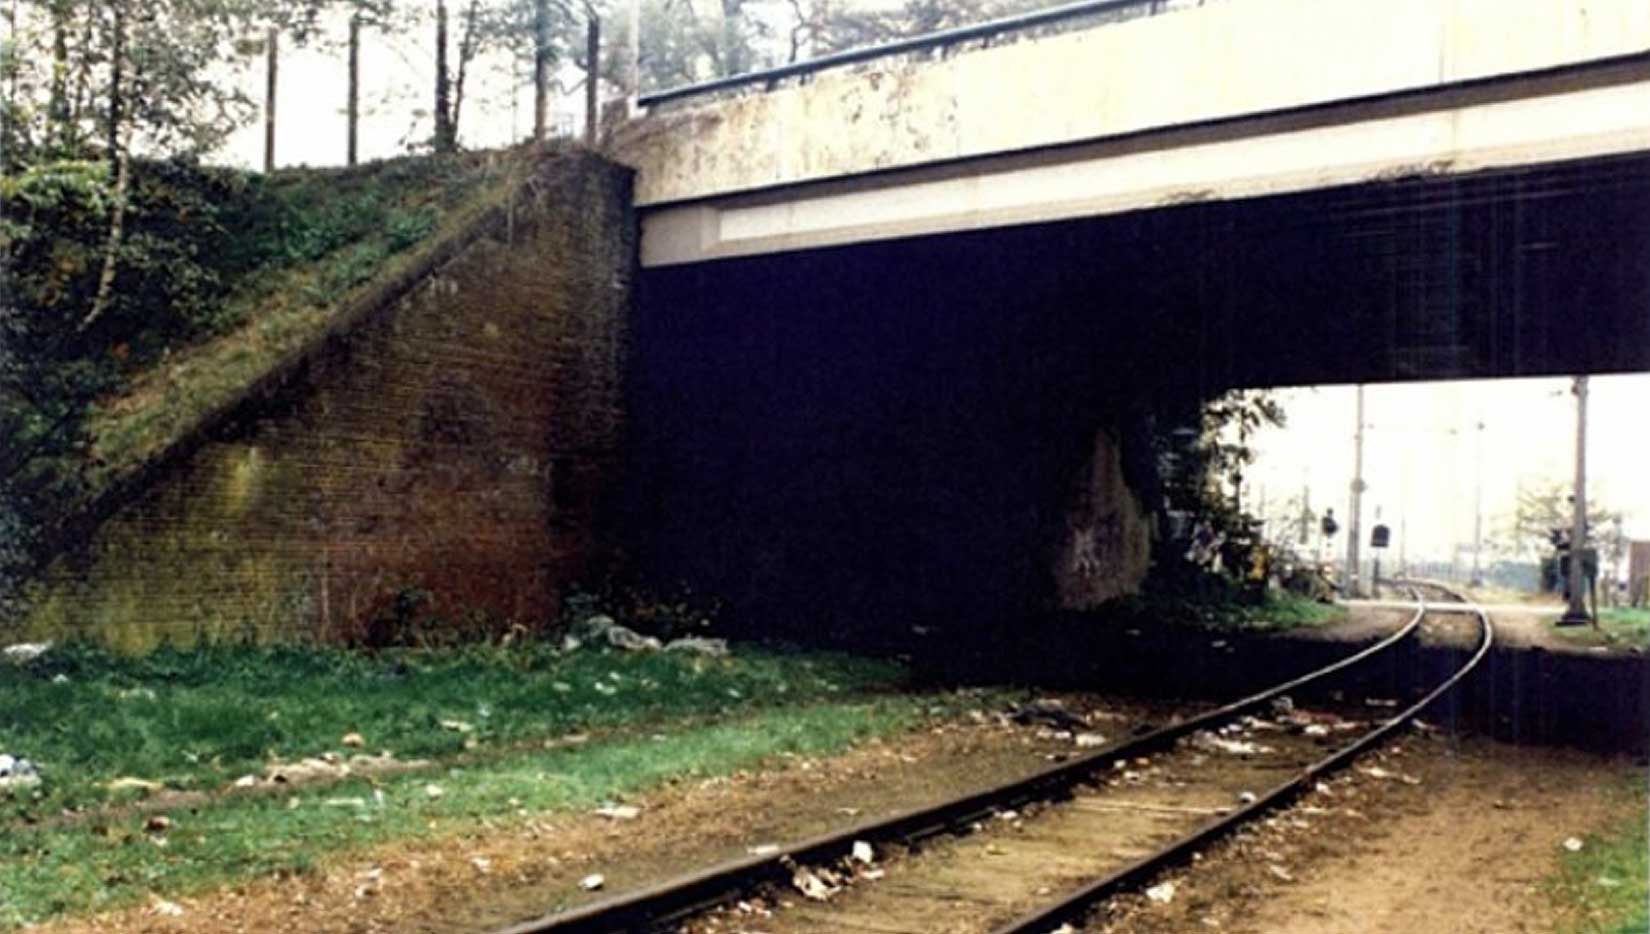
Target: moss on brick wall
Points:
(461, 443)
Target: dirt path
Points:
(1462, 850)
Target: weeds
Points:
(54, 870)
(197, 719)
(1604, 888)
(1275, 611)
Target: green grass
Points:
(197, 719)
(1620, 626)
(1275, 611)
(1605, 888)
(94, 866)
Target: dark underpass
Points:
(850, 442)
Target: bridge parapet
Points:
(1206, 64)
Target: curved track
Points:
(657, 906)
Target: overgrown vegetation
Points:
(1620, 626)
(63, 868)
(86, 716)
(1604, 888)
(1225, 609)
(219, 276)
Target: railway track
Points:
(1031, 855)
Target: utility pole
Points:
(1576, 613)
(1478, 506)
(1353, 526)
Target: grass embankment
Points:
(1274, 611)
(196, 720)
(322, 239)
(1605, 887)
(1620, 626)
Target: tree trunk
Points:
(57, 108)
(466, 51)
(273, 49)
(117, 234)
(354, 86)
(541, 69)
(117, 64)
(444, 137)
(592, 78)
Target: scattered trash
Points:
(433, 790)
(481, 863)
(1573, 844)
(16, 772)
(164, 908)
(344, 803)
(592, 882)
(623, 637)
(127, 783)
(1247, 797)
(157, 823)
(872, 874)
(1162, 893)
(353, 740)
(1379, 702)
(765, 849)
(1283, 705)
(699, 645)
(1049, 711)
(60, 678)
(1280, 872)
(1607, 882)
(1315, 730)
(863, 852)
(810, 884)
(1209, 742)
(24, 652)
(246, 781)
(457, 726)
(1089, 740)
(619, 811)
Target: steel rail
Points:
(649, 906)
(1072, 906)
(931, 40)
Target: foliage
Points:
(1220, 605)
(759, 708)
(670, 613)
(1544, 507)
(89, 75)
(205, 253)
(683, 43)
(159, 716)
(1619, 626)
(1203, 481)
(1604, 888)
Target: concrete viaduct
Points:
(904, 324)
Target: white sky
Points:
(1420, 454)
(398, 90)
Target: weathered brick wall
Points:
(462, 442)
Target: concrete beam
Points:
(1220, 62)
(1556, 115)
